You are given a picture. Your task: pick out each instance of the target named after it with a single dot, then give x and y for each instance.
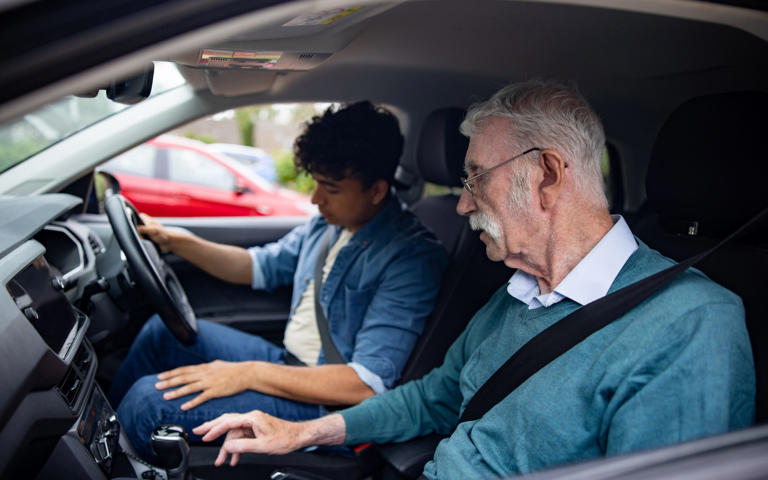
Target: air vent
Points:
(95, 244)
(83, 361)
(70, 387)
(75, 377)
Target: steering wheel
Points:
(152, 275)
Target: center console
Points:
(55, 421)
(99, 430)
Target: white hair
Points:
(547, 114)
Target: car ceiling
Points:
(635, 61)
(439, 54)
(599, 47)
(439, 57)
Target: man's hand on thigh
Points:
(213, 380)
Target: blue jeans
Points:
(141, 407)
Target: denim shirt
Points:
(378, 294)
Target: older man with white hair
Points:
(676, 367)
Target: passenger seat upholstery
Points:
(470, 278)
(467, 285)
(706, 178)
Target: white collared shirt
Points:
(589, 280)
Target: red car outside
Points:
(176, 177)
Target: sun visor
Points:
(242, 71)
(193, 76)
(239, 82)
(248, 62)
(251, 59)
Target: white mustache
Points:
(482, 221)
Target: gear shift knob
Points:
(169, 442)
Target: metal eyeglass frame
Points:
(466, 180)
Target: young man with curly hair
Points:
(380, 276)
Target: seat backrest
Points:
(470, 278)
(704, 180)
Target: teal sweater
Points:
(676, 367)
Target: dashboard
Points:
(55, 272)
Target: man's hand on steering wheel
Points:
(148, 270)
(155, 231)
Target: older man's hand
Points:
(215, 379)
(255, 432)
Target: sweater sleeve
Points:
(428, 405)
(699, 382)
(431, 404)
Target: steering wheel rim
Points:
(152, 275)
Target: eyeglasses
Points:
(466, 181)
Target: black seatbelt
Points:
(332, 354)
(572, 329)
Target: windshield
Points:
(38, 130)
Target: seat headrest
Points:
(442, 147)
(708, 166)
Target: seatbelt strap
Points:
(574, 328)
(332, 354)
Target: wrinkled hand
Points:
(156, 232)
(254, 431)
(215, 379)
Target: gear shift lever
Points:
(169, 442)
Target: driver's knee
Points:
(140, 411)
(153, 333)
(143, 408)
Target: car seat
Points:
(467, 284)
(471, 277)
(705, 179)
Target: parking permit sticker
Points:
(323, 17)
(239, 59)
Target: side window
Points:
(139, 161)
(186, 166)
(433, 190)
(612, 178)
(193, 157)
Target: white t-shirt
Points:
(302, 338)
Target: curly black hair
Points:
(360, 140)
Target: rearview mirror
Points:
(134, 89)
